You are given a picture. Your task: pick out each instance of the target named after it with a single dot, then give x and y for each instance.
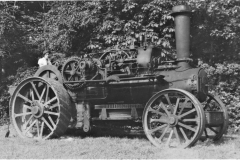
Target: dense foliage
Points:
(224, 80)
(79, 27)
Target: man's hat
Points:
(46, 52)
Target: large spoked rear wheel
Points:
(213, 106)
(40, 111)
(174, 118)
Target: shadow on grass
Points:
(224, 140)
(96, 132)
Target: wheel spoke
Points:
(32, 94)
(184, 134)
(54, 105)
(164, 132)
(176, 134)
(47, 93)
(70, 77)
(22, 114)
(216, 132)
(52, 113)
(187, 113)
(41, 132)
(67, 72)
(46, 74)
(34, 87)
(166, 96)
(169, 138)
(72, 66)
(50, 101)
(156, 129)
(30, 118)
(45, 121)
(76, 68)
(176, 106)
(38, 129)
(187, 127)
(53, 124)
(191, 120)
(162, 120)
(52, 75)
(155, 111)
(164, 108)
(183, 106)
(30, 126)
(24, 98)
(42, 93)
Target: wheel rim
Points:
(213, 103)
(71, 72)
(118, 53)
(36, 110)
(49, 72)
(173, 117)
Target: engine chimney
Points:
(181, 16)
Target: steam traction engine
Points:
(167, 98)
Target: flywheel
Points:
(76, 70)
(40, 111)
(71, 72)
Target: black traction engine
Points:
(127, 89)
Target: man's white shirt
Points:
(42, 62)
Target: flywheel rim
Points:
(74, 73)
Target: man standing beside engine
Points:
(45, 60)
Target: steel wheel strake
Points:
(40, 111)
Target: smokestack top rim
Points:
(180, 9)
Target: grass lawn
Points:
(102, 147)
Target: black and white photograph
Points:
(120, 79)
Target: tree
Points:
(79, 27)
(215, 30)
